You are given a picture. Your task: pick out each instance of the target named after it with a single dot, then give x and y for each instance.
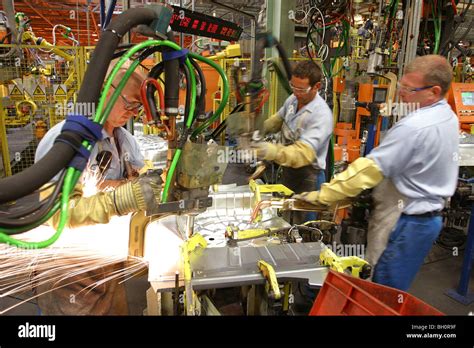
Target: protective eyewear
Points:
(129, 106)
(411, 89)
(300, 90)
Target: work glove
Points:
(297, 155)
(264, 151)
(362, 174)
(140, 194)
(272, 124)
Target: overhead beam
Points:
(96, 27)
(38, 13)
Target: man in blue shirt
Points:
(124, 157)
(419, 155)
(117, 168)
(306, 124)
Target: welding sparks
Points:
(91, 180)
(77, 252)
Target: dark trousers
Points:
(299, 180)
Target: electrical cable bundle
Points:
(315, 14)
(449, 43)
(63, 153)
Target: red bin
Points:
(343, 294)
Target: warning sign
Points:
(60, 92)
(15, 93)
(39, 94)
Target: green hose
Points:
(73, 175)
(169, 176)
(225, 95)
(9, 231)
(189, 122)
(63, 219)
(437, 28)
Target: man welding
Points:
(118, 157)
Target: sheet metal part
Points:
(220, 266)
(228, 267)
(231, 205)
(153, 147)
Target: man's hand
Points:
(264, 151)
(143, 193)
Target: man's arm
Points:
(272, 124)
(298, 155)
(137, 195)
(362, 174)
(389, 159)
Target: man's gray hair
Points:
(435, 69)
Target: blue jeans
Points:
(408, 245)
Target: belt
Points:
(426, 215)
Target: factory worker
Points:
(306, 124)
(414, 170)
(117, 158)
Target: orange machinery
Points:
(461, 99)
(348, 140)
(347, 147)
(370, 93)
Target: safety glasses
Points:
(129, 106)
(402, 88)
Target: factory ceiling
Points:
(83, 16)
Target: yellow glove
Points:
(272, 124)
(140, 194)
(297, 155)
(362, 174)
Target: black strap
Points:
(88, 130)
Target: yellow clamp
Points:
(258, 189)
(195, 241)
(269, 274)
(188, 247)
(234, 232)
(359, 267)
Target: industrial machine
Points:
(264, 260)
(221, 237)
(262, 256)
(461, 99)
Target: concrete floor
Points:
(435, 278)
(438, 275)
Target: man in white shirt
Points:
(419, 155)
